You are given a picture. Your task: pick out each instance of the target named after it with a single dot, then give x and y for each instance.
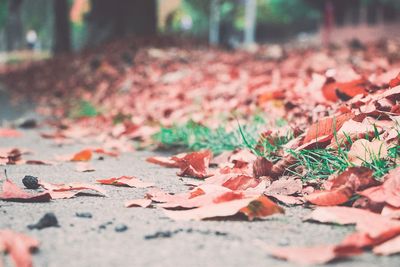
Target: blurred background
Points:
(38, 29)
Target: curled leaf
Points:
(125, 181)
(195, 164)
(11, 192)
(144, 203)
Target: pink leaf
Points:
(11, 192)
(125, 181)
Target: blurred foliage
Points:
(3, 12)
(232, 12)
(82, 109)
(285, 12)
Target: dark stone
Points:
(30, 182)
(87, 215)
(48, 220)
(121, 228)
(28, 124)
(160, 234)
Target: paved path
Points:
(151, 238)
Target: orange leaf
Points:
(335, 90)
(326, 127)
(395, 82)
(268, 96)
(84, 155)
(330, 198)
(261, 207)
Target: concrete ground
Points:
(151, 238)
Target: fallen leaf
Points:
(242, 157)
(353, 130)
(388, 192)
(344, 90)
(195, 164)
(332, 197)
(391, 212)
(160, 196)
(144, 203)
(287, 200)
(395, 81)
(359, 240)
(125, 181)
(356, 178)
(223, 209)
(104, 152)
(326, 127)
(38, 162)
(262, 167)
(84, 155)
(342, 187)
(169, 162)
(11, 192)
(311, 255)
(18, 246)
(373, 224)
(241, 182)
(363, 150)
(58, 191)
(229, 204)
(163, 161)
(260, 208)
(209, 194)
(390, 247)
(367, 204)
(8, 132)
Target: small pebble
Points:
(121, 228)
(84, 215)
(104, 225)
(284, 242)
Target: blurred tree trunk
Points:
(214, 22)
(250, 21)
(13, 28)
(62, 29)
(114, 19)
(329, 21)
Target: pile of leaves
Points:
(328, 134)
